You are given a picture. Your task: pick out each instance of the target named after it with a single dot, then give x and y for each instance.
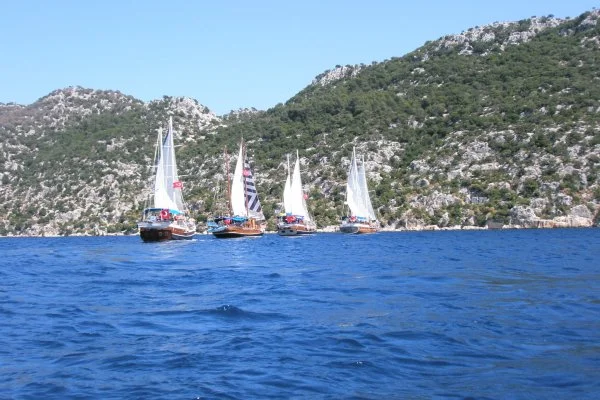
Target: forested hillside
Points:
(498, 125)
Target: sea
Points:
(498, 314)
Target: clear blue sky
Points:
(226, 54)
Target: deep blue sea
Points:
(509, 314)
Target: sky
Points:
(226, 54)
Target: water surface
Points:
(412, 315)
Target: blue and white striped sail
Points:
(244, 196)
(252, 200)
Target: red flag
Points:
(305, 196)
(246, 172)
(177, 185)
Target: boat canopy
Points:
(282, 215)
(356, 218)
(235, 219)
(154, 209)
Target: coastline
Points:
(335, 229)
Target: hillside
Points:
(497, 125)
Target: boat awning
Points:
(174, 212)
(235, 219)
(357, 218)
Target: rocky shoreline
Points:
(521, 218)
(335, 229)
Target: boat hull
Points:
(158, 232)
(295, 230)
(357, 228)
(236, 231)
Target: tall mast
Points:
(346, 209)
(244, 175)
(158, 160)
(228, 181)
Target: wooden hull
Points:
(236, 231)
(357, 228)
(157, 232)
(295, 230)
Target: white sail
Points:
(167, 187)
(287, 191)
(354, 196)
(161, 197)
(298, 206)
(366, 199)
(238, 200)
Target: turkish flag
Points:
(246, 172)
(177, 185)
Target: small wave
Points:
(90, 334)
(350, 343)
(225, 311)
(558, 381)
(72, 359)
(366, 325)
(49, 344)
(97, 325)
(121, 362)
(478, 355)
(41, 390)
(249, 372)
(351, 364)
(185, 361)
(229, 310)
(417, 336)
(4, 311)
(450, 306)
(234, 312)
(427, 362)
(373, 338)
(166, 312)
(454, 259)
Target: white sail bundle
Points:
(287, 191)
(355, 198)
(298, 203)
(167, 187)
(366, 199)
(238, 202)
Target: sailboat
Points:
(295, 220)
(245, 212)
(361, 217)
(167, 218)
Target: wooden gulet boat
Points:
(293, 229)
(163, 224)
(168, 218)
(361, 218)
(350, 226)
(235, 227)
(245, 217)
